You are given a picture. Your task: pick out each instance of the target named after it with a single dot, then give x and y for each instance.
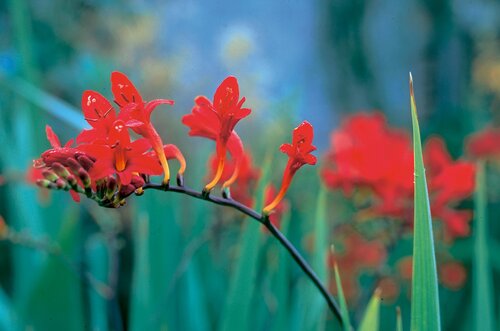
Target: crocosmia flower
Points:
(485, 144)
(123, 157)
(299, 153)
(216, 120)
(136, 114)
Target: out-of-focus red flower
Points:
(389, 288)
(485, 144)
(4, 229)
(449, 182)
(136, 114)
(366, 153)
(405, 267)
(299, 154)
(100, 114)
(123, 157)
(452, 275)
(355, 255)
(217, 120)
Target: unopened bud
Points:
(126, 190)
(60, 170)
(139, 191)
(72, 181)
(61, 184)
(137, 181)
(84, 177)
(111, 187)
(73, 165)
(85, 161)
(45, 183)
(50, 175)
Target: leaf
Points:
(315, 309)
(346, 322)
(237, 309)
(97, 258)
(399, 320)
(425, 298)
(370, 321)
(482, 286)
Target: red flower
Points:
(136, 115)
(217, 120)
(100, 114)
(449, 183)
(366, 153)
(299, 153)
(452, 275)
(485, 144)
(125, 158)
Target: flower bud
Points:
(73, 165)
(111, 187)
(61, 184)
(60, 170)
(85, 161)
(45, 183)
(49, 175)
(84, 177)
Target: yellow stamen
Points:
(218, 174)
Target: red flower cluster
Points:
(485, 144)
(106, 164)
(366, 153)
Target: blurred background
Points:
(179, 264)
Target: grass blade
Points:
(399, 319)
(482, 287)
(346, 322)
(425, 298)
(236, 314)
(370, 321)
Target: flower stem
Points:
(264, 220)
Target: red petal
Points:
(75, 196)
(125, 176)
(123, 90)
(145, 164)
(151, 105)
(227, 95)
(52, 137)
(96, 108)
(102, 168)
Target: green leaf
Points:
(97, 258)
(482, 286)
(315, 303)
(346, 322)
(236, 313)
(370, 321)
(399, 320)
(425, 298)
